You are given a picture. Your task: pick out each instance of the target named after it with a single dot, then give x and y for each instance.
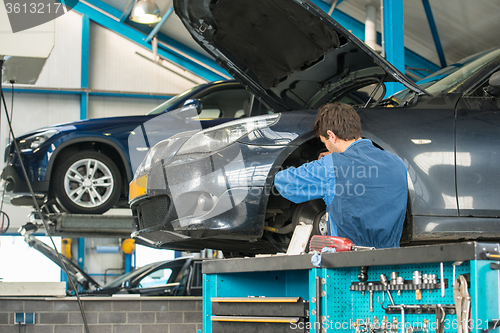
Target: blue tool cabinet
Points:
(289, 294)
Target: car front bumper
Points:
(208, 201)
(15, 183)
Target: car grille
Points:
(152, 213)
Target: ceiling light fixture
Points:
(145, 12)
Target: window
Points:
(157, 278)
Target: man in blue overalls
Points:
(365, 188)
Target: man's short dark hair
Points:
(341, 119)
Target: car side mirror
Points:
(494, 85)
(191, 104)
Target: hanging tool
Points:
(384, 281)
(417, 280)
(400, 281)
(363, 277)
(340, 244)
(440, 314)
(462, 304)
(455, 264)
(442, 280)
(370, 288)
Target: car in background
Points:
(214, 188)
(177, 277)
(85, 166)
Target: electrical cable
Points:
(11, 103)
(4, 227)
(37, 207)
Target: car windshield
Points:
(449, 77)
(118, 282)
(172, 101)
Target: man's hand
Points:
(323, 154)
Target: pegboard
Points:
(343, 306)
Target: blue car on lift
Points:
(85, 166)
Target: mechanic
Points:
(365, 188)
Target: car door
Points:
(478, 153)
(196, 280)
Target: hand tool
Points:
(370, 287)
(442, 280)
(400, 281)
(340, 244)
(363, 277)
(440, 314)
(417, 280)
(462, 304)
(455, 264)
(394, 278)
(383, 279)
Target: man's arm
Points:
(310, 181)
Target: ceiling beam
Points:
(170, 49)
(435, 34)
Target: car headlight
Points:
(216, 138)
(166, 149)
(34, 141)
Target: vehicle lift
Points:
(443, 288)
(84, 225)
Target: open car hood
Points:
(77, 274)
(288, 52)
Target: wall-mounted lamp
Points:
(145, 12)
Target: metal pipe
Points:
(157, 27)
(382, 28)
(334, 4)
(370, 27)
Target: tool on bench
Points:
(341, 244)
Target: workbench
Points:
(348, 292)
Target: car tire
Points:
(312, 212)
(87, 182)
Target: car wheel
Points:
(312, 212)
(87, 182)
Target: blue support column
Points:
(81, 252)
(411, 59)
(394, 39)
(84, 97)
(128, 263)
(64, 278)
